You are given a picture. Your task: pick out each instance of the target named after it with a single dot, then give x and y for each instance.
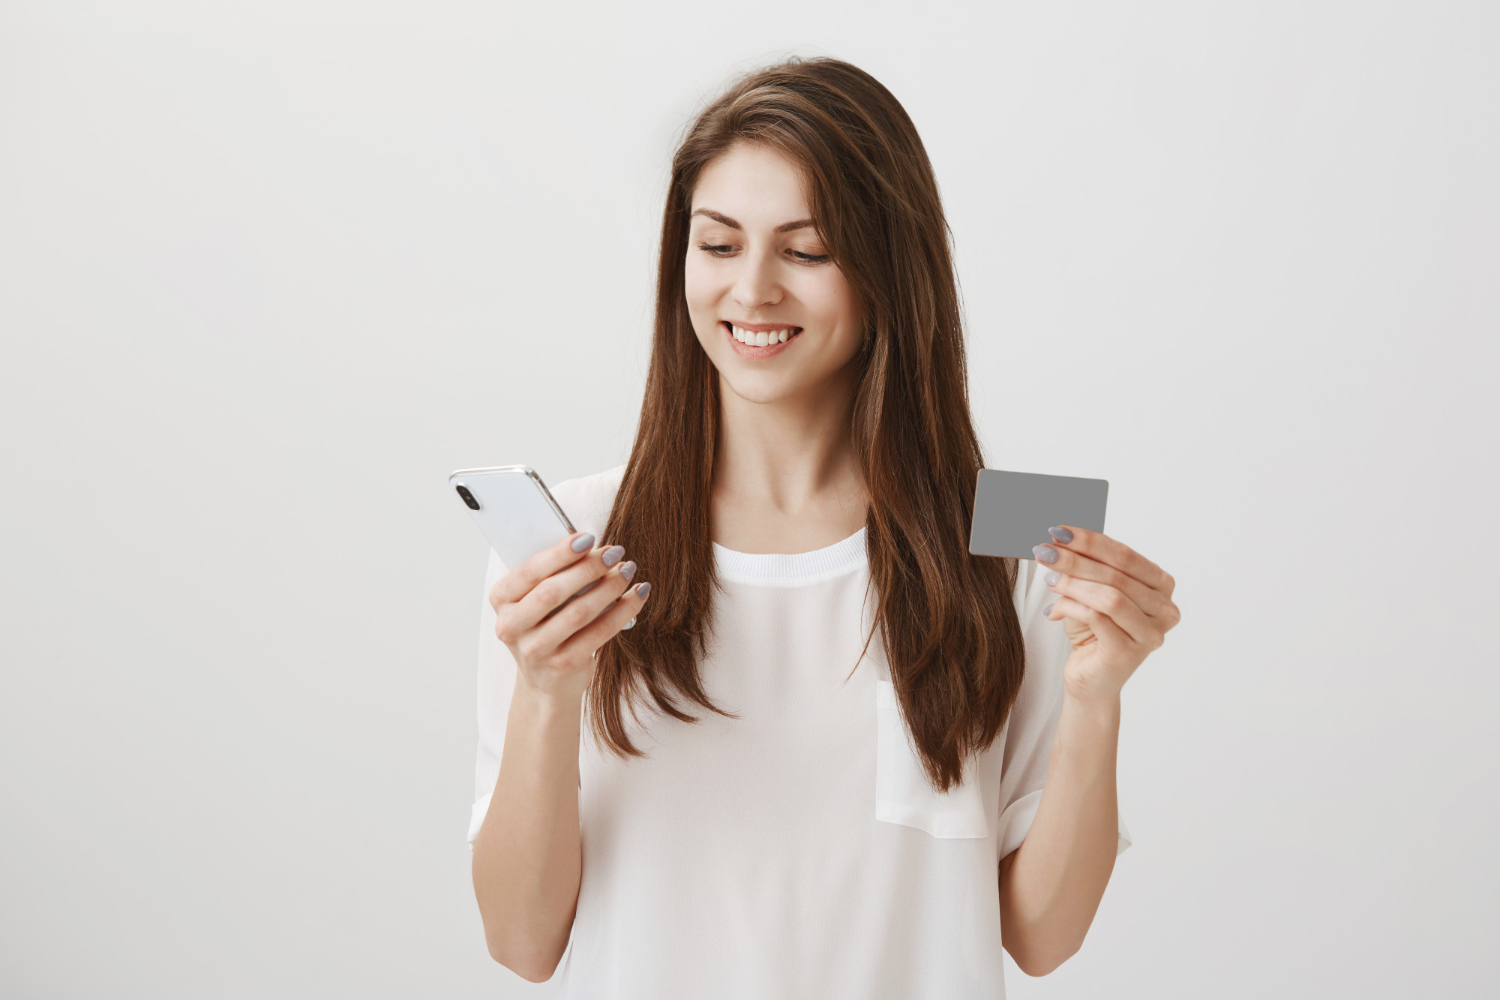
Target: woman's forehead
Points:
(755, 185)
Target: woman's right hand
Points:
(555, 655)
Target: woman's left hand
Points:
(1115, 603)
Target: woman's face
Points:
(775, 314)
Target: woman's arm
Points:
(528, 861)
(1050, 887)
(1117, 607)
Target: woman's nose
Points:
(756, 285)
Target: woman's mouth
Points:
(763, 340)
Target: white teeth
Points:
(762, 339)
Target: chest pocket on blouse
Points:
(903, 794)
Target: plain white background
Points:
(268, 272)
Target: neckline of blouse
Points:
(791, 569)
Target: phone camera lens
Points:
(468, 498)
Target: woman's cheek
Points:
(690, 285)
(698, 302)
(831, 305)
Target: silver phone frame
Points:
(527, 471)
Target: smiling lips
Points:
(760, 340)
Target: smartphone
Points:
(517, 514)
(514, 510)
(1013, 510)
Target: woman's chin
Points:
(765, 388)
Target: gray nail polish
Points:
(1053, 577)
(1044, 553)
(583, 543)
(1048, 609)
(613, 554)
(643, 591)
(628, 570)
(1061, 534)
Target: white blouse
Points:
(797, 850)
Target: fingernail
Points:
(1052, 577)
(628, 570)
(1048, 609)
(1044, 553)
(613, 554)
(643, 591)
(583, 542)
(1061, 534)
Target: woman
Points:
(836, 756)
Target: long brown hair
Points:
(950, 631)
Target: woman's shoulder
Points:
(588, 500)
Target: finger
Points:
(517, 583)
(1112, 552)
(613, 620)
(1066, 563)
(559, 628)
(564, 586)
(1113, 603)
(1103, 629)
(1101, 548)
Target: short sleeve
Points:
(1034, 716)
(497, 680)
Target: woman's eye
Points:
(718, 251)
(810, 258)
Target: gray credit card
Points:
(1013, 510)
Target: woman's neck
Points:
(786, 477)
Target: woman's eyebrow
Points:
(724, 220)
